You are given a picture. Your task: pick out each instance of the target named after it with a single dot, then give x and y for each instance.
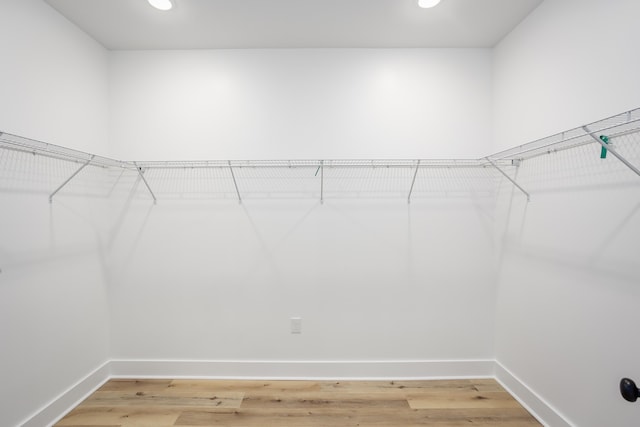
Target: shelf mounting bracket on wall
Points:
(141, 173)
(413, 182)
(233, 176)
(70, 178)
(509, 178)
(613, 151)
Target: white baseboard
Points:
(69, 399)
(298, 370)
(309, 370)
(536, 405)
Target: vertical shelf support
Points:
(69, 179)
(612, 150)
(235, 183)
(141, 173)
(413, 182)
(508, 177)
(321, 182)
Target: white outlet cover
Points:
(296, 325)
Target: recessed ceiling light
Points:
(425, 4)
(161, 4)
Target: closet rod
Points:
(315, 167)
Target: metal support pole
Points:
(508, 177)
(321, 181)
(612, 150)
(415, 174)
(235, 183)
(113, 187)
(141, 173)
(69, 179)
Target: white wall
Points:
(219, 281)
(53, 79)
(318, 103)
(569, 63)
(366, 277)
(372, 280)
(53, 301)
(569, 286)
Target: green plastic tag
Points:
(603, 151)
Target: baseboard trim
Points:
(298, 370)
(536, 405)
(69, 399)
(303, 370)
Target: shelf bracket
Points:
(321, 182)
(612, 150)
(413, 182)
(141, 173)
(509, 178)
(70, 178)
(235, 183)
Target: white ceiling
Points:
(207, 24)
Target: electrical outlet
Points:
(296, 325)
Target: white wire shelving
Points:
(39, 166)
(614, 127)
(31, 146)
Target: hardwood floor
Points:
(164, 403)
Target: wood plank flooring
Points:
(164, 403)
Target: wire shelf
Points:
(327, 164)
(23, 171)
(17, 143)
(30, 165)
(614, 127)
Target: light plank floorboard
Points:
(191, 403)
